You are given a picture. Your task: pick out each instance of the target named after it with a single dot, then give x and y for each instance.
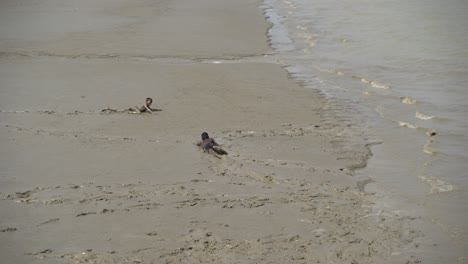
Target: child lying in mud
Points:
(209, 145)
(137, 110)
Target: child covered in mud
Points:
(209, 145)
(146, 108)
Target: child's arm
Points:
(148, 109)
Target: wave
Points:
(423, 116)
(373, 83)
(429, 132)
(407, 100)
(408, 125)
(428, 148)
(332, 71)
(379, 85)
(302, 27)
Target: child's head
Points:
(149, 101)
(204, 136)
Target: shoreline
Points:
(133, 188)
(444, 237)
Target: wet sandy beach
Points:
(79, 186)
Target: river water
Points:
(404, 66)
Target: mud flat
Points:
(79, 186)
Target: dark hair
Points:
(149, 98)
(204, 136)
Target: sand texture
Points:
(80, 186)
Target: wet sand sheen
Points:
(80, 187)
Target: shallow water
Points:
(404, 66)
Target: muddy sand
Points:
(80, 186)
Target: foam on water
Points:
(423, 116)
(373, 83)
(437, 186)
(428, 148)
(408, 125)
